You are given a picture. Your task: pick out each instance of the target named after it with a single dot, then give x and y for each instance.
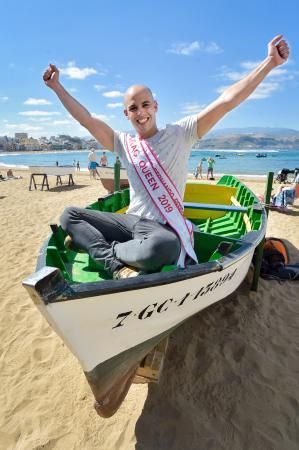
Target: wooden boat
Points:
(112, 325)
(107, 178)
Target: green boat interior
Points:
(218, 228)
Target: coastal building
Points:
(7, 144)
(20, 136)
(27, 143)
(93, 143)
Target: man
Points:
(104, 160)
(145, 239)
(198, 170)
(92, 164)
(210, 172)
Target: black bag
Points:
(274, 261)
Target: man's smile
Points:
(142, 121)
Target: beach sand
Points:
(231, 374)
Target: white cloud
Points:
(102, 117)
(264, 90)
(73, 72)
(191, 108)
(278, 72)
(233, 76)
(37, 101)
(212, 47)
(26, 127)
(113, 94)
(99, 87)
(38, 113)
(114, 105)
(73, 90)
(3, 99)
(187, 48)
(40, 120)
(275, 79)
(249, 65)
(184, 48)
(61, 122)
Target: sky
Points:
(186, 52)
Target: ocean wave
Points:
(235, 151)
(13, 166)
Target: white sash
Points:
(162, 191)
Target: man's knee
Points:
(170, 249)
(163, 250)
(66, 217)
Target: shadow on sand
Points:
(66, 187)
(213, 392)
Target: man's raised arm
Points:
(100, 130)
(278, 53)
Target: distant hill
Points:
(251, 138)
(286, 132)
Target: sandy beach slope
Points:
(231, 376)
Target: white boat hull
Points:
(107, 178)
(100, 327)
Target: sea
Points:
(235, 162)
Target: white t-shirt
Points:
(92, 156)
(172, 145)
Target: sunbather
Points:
(284, 197)
(11, 175)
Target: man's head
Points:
(140, 109)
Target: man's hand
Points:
(278, 50)
(51, 76)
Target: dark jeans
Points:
(115, 240)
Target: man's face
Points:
(140, 109)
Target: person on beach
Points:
(210, 172)
(78, 166)
(10, 175)
(153, 232)
(103, 160)
(92, 164)
(198, 170)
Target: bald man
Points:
(143, 240)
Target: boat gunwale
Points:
(67, 291)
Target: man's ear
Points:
(156, 105)
(126, 113)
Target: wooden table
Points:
(45, 171)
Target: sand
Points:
(231, 375)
